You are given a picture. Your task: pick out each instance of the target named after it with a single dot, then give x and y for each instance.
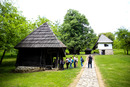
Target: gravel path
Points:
(88, 77)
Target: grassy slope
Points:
(35, 79)
(115, 69)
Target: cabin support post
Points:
(41, 59)
(60, 58)
(44, 57)
(57, 58)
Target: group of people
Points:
(69, 62)
(74, 61)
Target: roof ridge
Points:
(104, 38)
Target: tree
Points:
(123, 35)
(13, 27)
(75, 32)
(109, 35)
(116, 44)
(56, 29)
(40, 21)
(54, 26)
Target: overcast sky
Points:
(103, 15)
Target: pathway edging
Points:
(99, 76)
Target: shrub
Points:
(95, 51)
(67, 51)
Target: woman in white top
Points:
(77, 61)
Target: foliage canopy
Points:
(75, 31)
(109, 35)
(13, 26)
(123, 37)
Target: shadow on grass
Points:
(8, 64)
(7, 72)
(9, 56)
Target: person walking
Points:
(71, 61)
(74, 61)
(82, 60)
(90, 61)
(62, 64)
(67, 62)
(77, 61)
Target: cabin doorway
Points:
(103, 52)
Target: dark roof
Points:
(42, 37)
(62, 44)
(103, 38)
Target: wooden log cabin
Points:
(41, 48)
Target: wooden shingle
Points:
(42, 37)
(103, 38)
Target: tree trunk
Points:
(127, 52)
(2, 57)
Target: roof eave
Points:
(37, 47)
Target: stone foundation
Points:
(107, 51)
(100, 52)
(27, 69)
(23, 69)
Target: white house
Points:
(104, 45)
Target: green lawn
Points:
(115, 69)
(35, 79)
(119, 52)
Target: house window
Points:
(106, 45)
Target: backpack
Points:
(72, 60)
(68, 61)
(82, 60)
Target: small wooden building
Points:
(104, 44)
(73, 51)
(41, 48)
(88, 51)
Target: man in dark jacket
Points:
(90, 60)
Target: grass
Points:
(119, 52)
(82, 53)
(35, 79)
(115, 69)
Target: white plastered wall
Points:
(108, 49)
(101, 46)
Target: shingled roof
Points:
(103, 38)
(42, 37)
